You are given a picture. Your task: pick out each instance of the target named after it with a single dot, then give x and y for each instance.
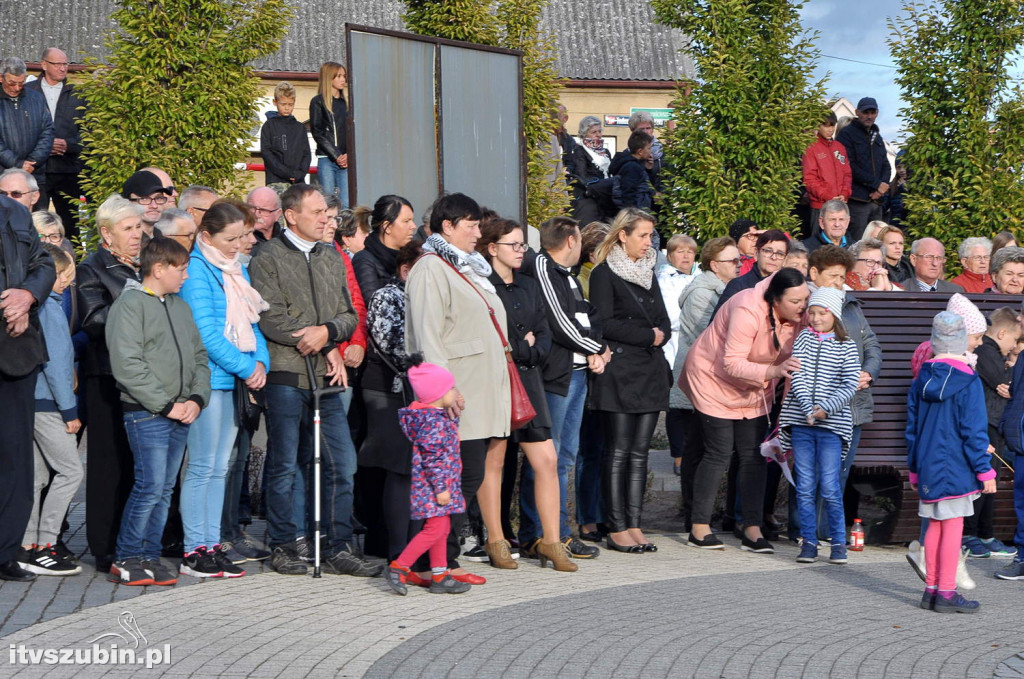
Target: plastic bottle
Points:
(857, 536)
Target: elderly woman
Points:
(339, 221)
(730, 376)
(975, 255)
(868, 271)
(51, 230)
(895, 261)
(633, 389)
(452, 318)
(720, 261)
(101, 278)
(678, 272)
(1008, 271)
(590, 158)
(353, 228)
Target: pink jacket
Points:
(725, 374)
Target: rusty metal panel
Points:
(480, 124)
(392, 103)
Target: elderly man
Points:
(145, 189)
(196, 200)
(833, 221)
(928, 257)
(27, 275)
(20, 186)
(868, 271)
(26, 128)
(1008, 271)
(65, 163)
(869, 161)
(177, 224)
(266, 206)
(975, 255)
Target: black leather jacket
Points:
(101, 279)
(331, 141)
(26, 265)
(374, 266)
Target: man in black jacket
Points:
(65, 163)
(26, 128)
(27, 274)
(869, 162)
(576, 347)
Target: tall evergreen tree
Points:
(964, 118)
(735, 151)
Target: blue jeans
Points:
(236, 480)
(333, 179)
(588, 470)
(289, 414)
(211, 438)
(844, 474)
(817, 454)
(566, 415)
(158, 446)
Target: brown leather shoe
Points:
(501, 555)
(558, 554)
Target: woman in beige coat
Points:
(449, 322)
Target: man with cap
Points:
(146, 189)
(745, 233)
(869, 162)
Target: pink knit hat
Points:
(974, 320)
(430, 382)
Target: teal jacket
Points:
(156, 353)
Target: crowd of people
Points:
(199, 317)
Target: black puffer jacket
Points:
(374, 265)
(869, 159)
(101, 279)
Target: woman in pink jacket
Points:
(730, 376)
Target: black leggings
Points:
(624, 467)
(721, 438)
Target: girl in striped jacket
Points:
(817, 419)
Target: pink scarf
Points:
(244, 304)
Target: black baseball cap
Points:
(867, 104)
(143, 183)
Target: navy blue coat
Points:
(869, 160)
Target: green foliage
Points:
(735, 151)
(513, 24)
(177, 90)
(964, 120)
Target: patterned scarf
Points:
(132, 262)
(640, 272)
(472, 265)
(244, 304)
(595, 145)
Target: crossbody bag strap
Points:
(490, 310)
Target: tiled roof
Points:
(608, 40)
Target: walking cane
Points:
(318, 391)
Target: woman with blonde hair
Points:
(633, 389)
(328, 114)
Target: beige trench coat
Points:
(449, 324)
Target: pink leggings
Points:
(942, 552)
(433, 538)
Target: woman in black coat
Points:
(502, 242)
(634, 386)
(101, 278)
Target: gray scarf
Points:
(640, 272)
(472, 265)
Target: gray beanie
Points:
(829, 299)
(949, 334)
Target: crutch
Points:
(318, 391)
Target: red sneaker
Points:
(470, 578)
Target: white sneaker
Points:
(963, 578)
(915, 556)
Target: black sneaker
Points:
(304, 549)
(130, 572)
(65, 553)
(709, 542)
(227, 568)
(233, 554)
(476, 554)
(45, 561)
(251, 548)
(162, 575)
(285, 560)
(758, 546)
(345, 562)
(448, 585)
(578, 550)
(200, 564)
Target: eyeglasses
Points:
(158, 200)
(750, 235)
(264, 211)
(54, 238)
(518, 247)
(16, 195)
(772, 254)
(201, 209)
(58, 64)
(872, 262)
(734, 261)
(980, 258)
(932, 259)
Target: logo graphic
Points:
(128, 648)
(127, 622)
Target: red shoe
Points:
(470, 578)
(412, 578)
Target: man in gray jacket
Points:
(303, 281)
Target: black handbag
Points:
(249, 405)
(20, 355)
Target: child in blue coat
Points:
(436, 476)
(947, 453)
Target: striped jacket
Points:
(828, 377)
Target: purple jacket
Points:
(436, 464)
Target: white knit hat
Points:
(974, 320)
